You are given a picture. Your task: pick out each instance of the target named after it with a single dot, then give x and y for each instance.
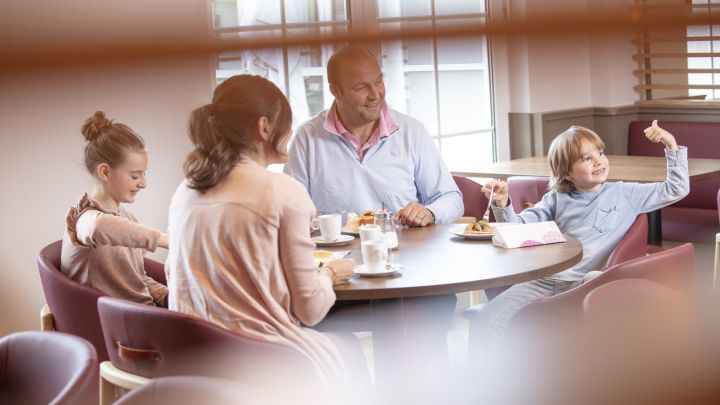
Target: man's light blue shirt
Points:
(401, 168)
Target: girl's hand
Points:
(499, 192)
(339, 270)
(657, 134)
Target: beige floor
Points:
(458, 334)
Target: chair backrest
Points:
(73, 305)
(611, 299)
(672, 267)
(156, 342)
(526, 191)
(633, 244)
(47, 367)
(473, 198)
(155, 270)
(191, 390)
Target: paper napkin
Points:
(524, 235)
(324, 256)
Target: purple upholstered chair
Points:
(526, 191)
(155, 342)
(671, 267)
(633, 244)
(47, 368)
(473, 198)
(73, 305)
(192, 390)
(613, 298)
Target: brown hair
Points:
(565, 150)
(345, 55)
(107, 141)
(223, 130)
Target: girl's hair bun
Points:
(94, 126)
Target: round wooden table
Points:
(437, 262)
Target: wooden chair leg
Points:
(46, 319)
(112, 377)
(476, 297)
(107, 391)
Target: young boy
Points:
(585, 206)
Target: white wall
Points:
(43, 107)
(556, 71)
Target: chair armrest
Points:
(46, 319)
(156, 270)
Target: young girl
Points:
(240, 253)
(585, 206)
(103, 244)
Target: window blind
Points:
(678, 61)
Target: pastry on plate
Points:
(367, 217)
(478, 228)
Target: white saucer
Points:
(343, 239)
(362, 271)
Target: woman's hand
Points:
(657, 134)
(339, 270)
(163, 241)
(499, 191)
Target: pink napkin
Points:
(524, 235)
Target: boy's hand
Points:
(499, 192)
(657, 134)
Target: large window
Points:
(443, 82)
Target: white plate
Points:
(343, 239)
(459, 230)
(362, 271)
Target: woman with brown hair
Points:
(241, 254)
(103, 244)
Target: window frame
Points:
(361, 20)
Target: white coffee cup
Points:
(330, 226)
(370, 232)
(374, 255)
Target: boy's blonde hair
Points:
(565, 150)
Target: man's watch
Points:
(431, 213)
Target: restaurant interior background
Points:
(148, 64)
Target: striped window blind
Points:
(678, 51)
